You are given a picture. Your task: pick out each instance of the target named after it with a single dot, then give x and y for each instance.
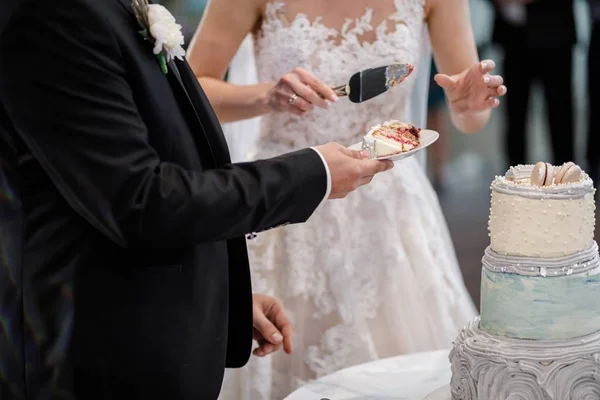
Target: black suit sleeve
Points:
(66, 92)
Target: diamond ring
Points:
(292, 99)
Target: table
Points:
(410, 377)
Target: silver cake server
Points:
(372, 82)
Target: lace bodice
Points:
(334, 55)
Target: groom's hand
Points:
(272, 328)
(349, 169)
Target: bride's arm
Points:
(454, 50)
(224, 26)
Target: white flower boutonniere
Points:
(161, 29)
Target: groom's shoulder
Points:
(66, 14)
(51, 27)
(51, 7)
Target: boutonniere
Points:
(160, 28)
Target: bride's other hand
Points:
(471, 92)
(299, 92)
(474, 89)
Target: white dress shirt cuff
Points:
(328, 173)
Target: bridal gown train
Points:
(371, 276)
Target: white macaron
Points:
(569, 173)
(542, 174)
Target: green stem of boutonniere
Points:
(161, 57)
(162, 61)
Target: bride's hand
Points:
(299, 92)
(474, 89)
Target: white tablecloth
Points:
(411, 377)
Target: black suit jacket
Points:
(123, 266)
(550, 23)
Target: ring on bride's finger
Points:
(292, 99)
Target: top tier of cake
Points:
(540, 221)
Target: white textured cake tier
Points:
(535, 221)
(488, 367)
(533, 299)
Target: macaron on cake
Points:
(568, 173)
(542, 174)
(542, 210)
(545, 174)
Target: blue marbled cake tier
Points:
(547, 299)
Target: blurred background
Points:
(462, 167)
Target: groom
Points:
(123, 265)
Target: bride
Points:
(375, 275)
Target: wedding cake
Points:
(538, 335)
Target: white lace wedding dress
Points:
(371, 276)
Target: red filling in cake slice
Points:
(395, 137)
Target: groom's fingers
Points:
(365, 181)
(378, 166)
(284, 326)
(373, 167)
(268, 331)
(369, 167)
(356, 154)
(278, 317)
(265, 348)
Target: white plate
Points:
(427, 138)
(442, 393)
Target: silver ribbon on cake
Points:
(577, 263)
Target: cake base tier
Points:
(488, 367)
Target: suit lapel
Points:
(203, 145)
(204, 111)
(210, 142)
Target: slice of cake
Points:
(394, 137)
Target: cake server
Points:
(372, 82)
